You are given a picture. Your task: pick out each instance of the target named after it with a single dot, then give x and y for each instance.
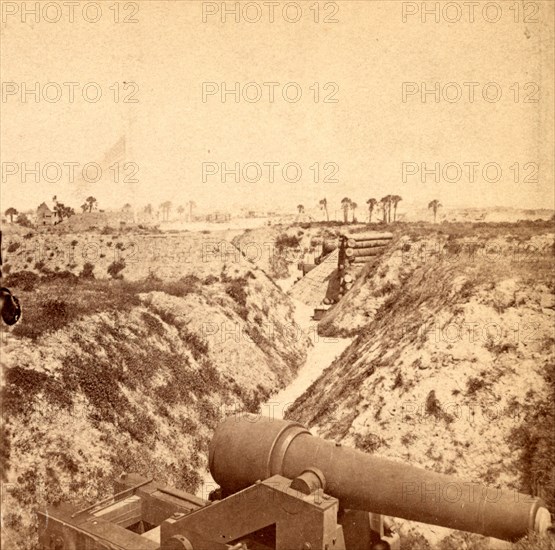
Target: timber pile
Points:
(319, 284)
(335, 271)
(355, 251)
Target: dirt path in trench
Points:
(320, 355)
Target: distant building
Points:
(45, 216)
(218, 217)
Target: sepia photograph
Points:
(277, 275)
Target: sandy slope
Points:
(138, 388)
(451, 360)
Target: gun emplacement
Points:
(282, 488)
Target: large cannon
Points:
(282, 488)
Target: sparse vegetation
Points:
(533, 439)
(168, 384)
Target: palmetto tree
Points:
(180, 210)
(59, 208)
(166, 207)
(300, 208)
(126, 207)
(354, 206)
(84, 207)
(345, 205)
(191, 205)
(63, 211)
(68, 211)
(11, 212)
(395, 199)
(434, 205)
(148, 209)
(92, 202)
(384, 203)
(372, 203)
(324, 206)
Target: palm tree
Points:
(180, 210)
(372, 203)
(67, 211)
(166, 207)
(324, 206)
(300, 208)
(59, 209)
(191, 205)
(84, 207)
(148, 209)
(354, 206)
(345, 205)
(11, 212)
(92, 202)
(395, 199)
(126, 207)
(384, 202)
(434, 205)
(389, 206)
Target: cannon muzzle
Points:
(251, 448)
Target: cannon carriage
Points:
(280, 488)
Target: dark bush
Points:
(4, 451)
(181, 287)
(533, 439)
(12, 247)
(198, 347)
(57, 275)
(287, 241)
(57, 310)
(88, 271)
(433, 406)
(114, 269)
(473, 385)
(235, 288)
(23, 385)
(24, 220)
(25, 280)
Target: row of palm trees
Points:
(165, 208)
(387, 205)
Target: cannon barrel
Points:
(248, 448)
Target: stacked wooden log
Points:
(357, 250)
(328, 246)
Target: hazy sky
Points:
(367, 134)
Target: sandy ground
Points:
(235, 224)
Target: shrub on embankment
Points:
(106, 376)
(452, 366)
